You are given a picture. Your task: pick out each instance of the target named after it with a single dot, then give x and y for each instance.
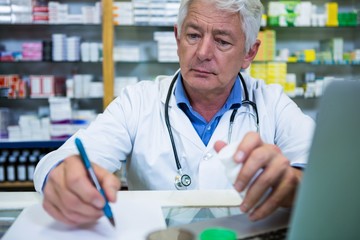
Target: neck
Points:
(206, 105)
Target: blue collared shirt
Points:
(203, 128)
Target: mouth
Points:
(203, 72)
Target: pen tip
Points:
(112, 221)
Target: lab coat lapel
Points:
(180, 123)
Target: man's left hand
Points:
(277, 175)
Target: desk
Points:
(11, 204)
(136, 212)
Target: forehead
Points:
(202, 12)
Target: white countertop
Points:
(18, 200)
(137, 213)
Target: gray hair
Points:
(249, 10)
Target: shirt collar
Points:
(233, 101)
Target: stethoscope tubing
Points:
(246, 101)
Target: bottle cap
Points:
(171, 234)
(218, 233)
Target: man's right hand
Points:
(70, 196)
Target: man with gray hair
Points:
(167, 129)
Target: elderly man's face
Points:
(211, 48)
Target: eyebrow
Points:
(216, 31)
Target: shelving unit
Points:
(300, 38)
(12, 36)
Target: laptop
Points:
(328, 201)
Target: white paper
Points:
(133, 221)
(136, 213)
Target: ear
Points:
(249, 57)
(177, 37)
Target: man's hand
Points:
(277, 176)
(70, 196)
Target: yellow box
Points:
(332, 14)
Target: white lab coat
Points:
(133, 127)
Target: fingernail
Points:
(253, 217)
(239, 186)
(244, 208)
(114, 191)
(239, 156)
(98, 203)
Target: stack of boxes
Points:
(304, 13)
(271, 72)
(17, 86)
(42, 11)
(332, 14)
(5, 11)
(289, 13)
(44, 86)
(335, 49)
(59, 13)
(267, 50)
(166, 47)
(155, 12)
(32, 51)
(21, 11)
(123, 13)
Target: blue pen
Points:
(107, 210)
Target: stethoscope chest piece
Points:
(182, 181)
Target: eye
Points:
(193, 37)
(222, 44)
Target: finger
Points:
(78, 211)
(68, 204)
(109, 182)
(219, 145)
(286, 188)
(250, 142)
(70, 218)
(78, 182)
(258, 159)
(268, 178)
(50, 202)
(56, 213)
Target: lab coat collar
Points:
(182, 125)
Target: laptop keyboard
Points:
(279, 234)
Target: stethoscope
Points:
(183, 180)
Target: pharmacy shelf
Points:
(315, 63)
(32, 104)
(51, 68)
(21, 144)
(52, 62)
(340, 64)
(17, 186)
(40, 30)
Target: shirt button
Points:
(209, 128)
(207, 156)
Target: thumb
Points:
(108, 181)
(219, 145)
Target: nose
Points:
(205, 49)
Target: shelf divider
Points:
(108, 46)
